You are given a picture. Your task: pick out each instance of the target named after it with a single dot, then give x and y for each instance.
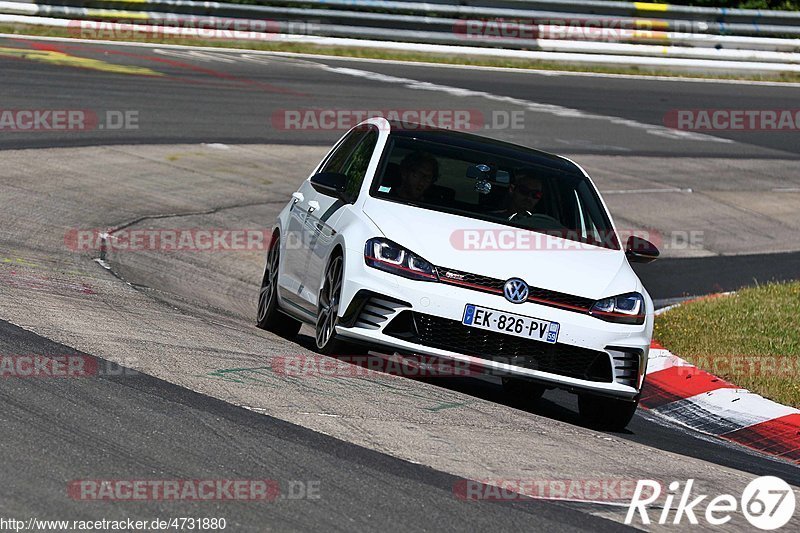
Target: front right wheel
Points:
(604, 413)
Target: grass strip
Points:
(750, 338)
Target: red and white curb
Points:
(692, 397)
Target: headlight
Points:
(386, 255)
(623, 309)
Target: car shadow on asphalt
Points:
(555, 404)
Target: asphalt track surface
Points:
(153, 427)
(122, 425)
(179, 100)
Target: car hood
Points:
(503, 252)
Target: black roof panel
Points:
(470, 141)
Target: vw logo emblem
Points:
(516, 291)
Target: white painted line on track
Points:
(199, 55)
(648, 191)
(536, 107)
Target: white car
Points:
(412, 240)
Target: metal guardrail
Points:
(510, 8)
(623, 14)
(605, 7)
(599, 28)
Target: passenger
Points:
(418, 171)
(523, 195)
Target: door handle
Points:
(313, 205)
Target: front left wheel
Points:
(328, 306)
(269, 316)
(328, 312)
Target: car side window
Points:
(356, 166)
(337, 160)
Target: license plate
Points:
(510, 323)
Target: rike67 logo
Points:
(767, 503)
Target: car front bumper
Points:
(374, 303)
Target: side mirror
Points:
(639, 250)
(330, 184)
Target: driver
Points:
(523, 195)
(418, 171)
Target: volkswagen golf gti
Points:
(413, 240)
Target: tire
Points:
(522, 393)
(328, 311)
(608, 414)
(269, 316)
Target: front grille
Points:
(495, 286)
(452, 335)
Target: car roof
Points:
(470, 141)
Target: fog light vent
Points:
(376, 311)
(626, 365)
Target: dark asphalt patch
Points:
(674, 278)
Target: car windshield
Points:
(497, 188)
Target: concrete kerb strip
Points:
(695, 398)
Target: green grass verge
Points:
(751, 338)
(377, 53)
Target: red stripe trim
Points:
(471, 285)
(779, 436)
(530, 298)
(558, 304)
(678, 383)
